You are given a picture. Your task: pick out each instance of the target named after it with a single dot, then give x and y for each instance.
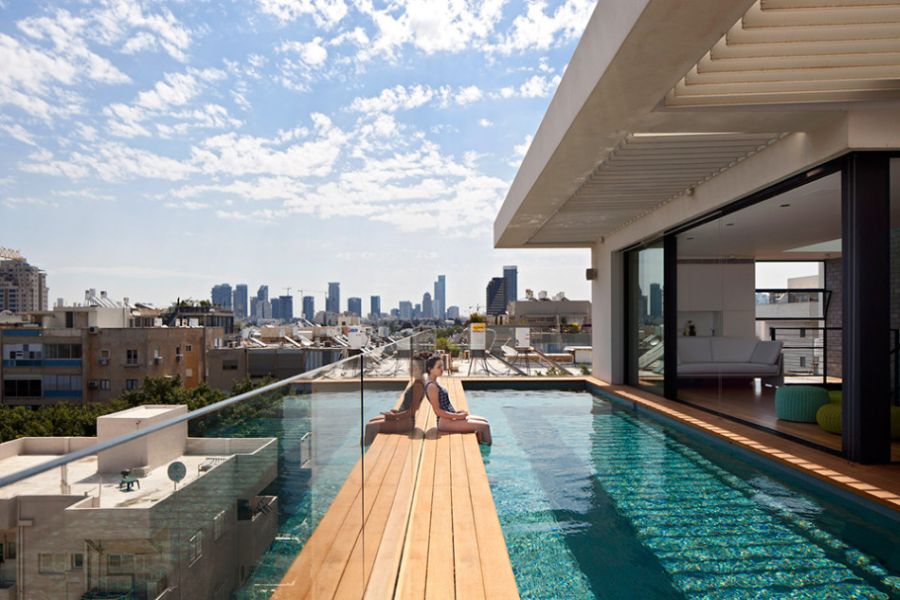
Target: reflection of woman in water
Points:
(449, 419)
(403, 419)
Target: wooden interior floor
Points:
(415, 519)
(753, 403)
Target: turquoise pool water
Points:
(305, 490)
(598, 502)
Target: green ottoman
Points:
(829, 417)
(799, 402)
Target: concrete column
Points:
(607, 315)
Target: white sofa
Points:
(705, 357)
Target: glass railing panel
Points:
(221, 502)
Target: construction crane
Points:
(302, 292)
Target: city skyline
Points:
(165, 148)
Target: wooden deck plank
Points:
(439, 580)
(414, 565)
(466, 559)
(386, 568)
(295, 582)
(337, 560)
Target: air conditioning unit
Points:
(93, 384)
(93, 329)
(104, 361)
(157, 360)
(179, 357)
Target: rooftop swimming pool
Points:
(597, 501)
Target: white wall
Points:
(719, 298)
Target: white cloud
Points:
(519, 151)
(393, 99)
(430, 25)
(17, 132)
(326, 13)
(243, 154)
(538, 30)
(16, 202)
(126, 22)
(467, 95)
(312, 54)
(109, 161)
(485, 123)
(538, 86)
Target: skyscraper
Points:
(406, 309)
(262, 294)
(221, 295)
(375, 306)
(496, 296)
(440, 297)
(511, 284)
(427, 306)
(285, 308)
(239, 301)
(656, 303)
(354, 306)
(309, 308)
(333, 301)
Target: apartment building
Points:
(84, 531)
(98, 364)
(23, 287)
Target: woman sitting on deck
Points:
(403, 419)
(450, 420)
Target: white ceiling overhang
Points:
(689, 92)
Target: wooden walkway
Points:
(415, 519)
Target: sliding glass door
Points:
(646, 350)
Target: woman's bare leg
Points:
(481, 428)
(372, 429)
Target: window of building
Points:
(104, 384)
(131, 357)
(195, 546)
(131, 384)
(229, 365)
(104, 354)
(10, 549)
(52, 563)
(22, 388)
(188, 348)
(119, 564)
(77, 561)
(62, 351)
(53, 383)
(219, 525)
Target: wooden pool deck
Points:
(415, 519)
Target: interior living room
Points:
(758, 312)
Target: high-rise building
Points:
(440, 297)
(375, 306)
(309, 308)
(262, 293)
(496, 296)
(285, 308)
(427, 306)
(221, 295)
(239, 301)
(406, 309)
(511, 284)
(452, 312)
(333, 301)
(354, 306)
(23, 288)
(656, 303)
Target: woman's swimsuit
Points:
(443, 399)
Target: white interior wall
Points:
(719, 298)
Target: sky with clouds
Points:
(155, 148)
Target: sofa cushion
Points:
(732, 350)
(725, 369)
(694, 350)
(766, 352)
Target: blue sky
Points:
(153, 149)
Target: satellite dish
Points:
(177, 471)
